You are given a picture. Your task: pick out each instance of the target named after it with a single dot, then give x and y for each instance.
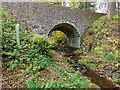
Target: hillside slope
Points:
(100, 48)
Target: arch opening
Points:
(58, 38)
(72, 34)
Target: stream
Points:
(94, 76)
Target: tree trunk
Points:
(111, 8)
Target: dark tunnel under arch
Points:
(70, 31)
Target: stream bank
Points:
(95, 77)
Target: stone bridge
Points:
(45, 18)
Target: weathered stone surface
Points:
(45, 18)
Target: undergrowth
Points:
(34, 57)
(100, 47)
(69, 79)
(101, 39)
(34, 52)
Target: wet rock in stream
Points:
(81, 67)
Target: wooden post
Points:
(17, 36)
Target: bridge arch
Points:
(71, 31)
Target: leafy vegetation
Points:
(37, 66)
(67, 83)
(116, 16)
(100, 47)
(42, 44)
(33, 58)
(69, 79)
(82, 5)
(100, 40)
(33, 50)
